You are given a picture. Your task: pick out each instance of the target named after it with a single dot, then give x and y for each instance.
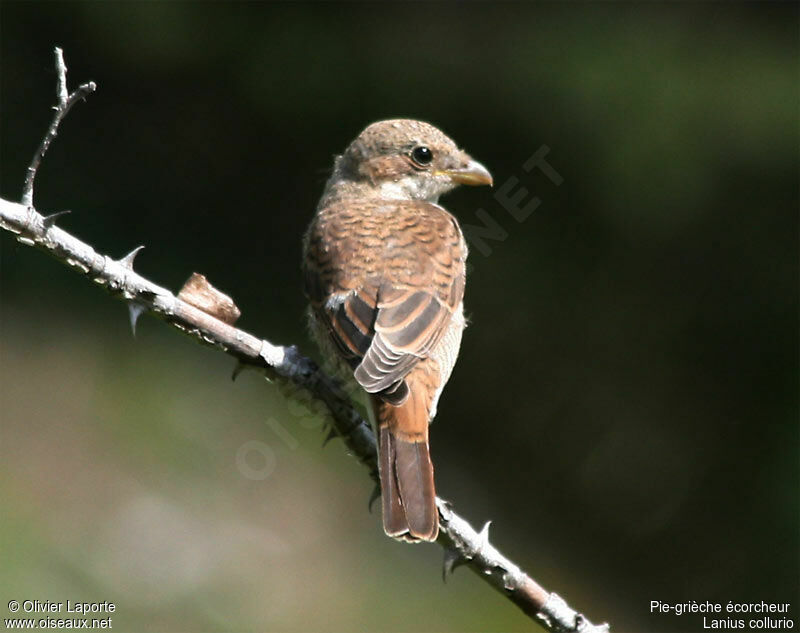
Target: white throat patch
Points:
(412, 188)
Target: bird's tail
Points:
(406, 470)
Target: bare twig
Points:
(65, 102)
(462, 544)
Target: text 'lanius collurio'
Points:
(384, 269)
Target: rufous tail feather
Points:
(406, 471)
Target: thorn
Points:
(237, 370)
(332, 434)
(373, 497)
(127, 261)
(49, 220)
(134, 312)
(483, 535)
(452, 559)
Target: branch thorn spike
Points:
(238, 369)
(49, 220)
(134, 312)
(452, 559)
(483, 535)
(127, 261)
(332, 434)
(373, 497)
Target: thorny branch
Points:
(461, 543)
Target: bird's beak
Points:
(473, 173)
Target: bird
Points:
(384, 273)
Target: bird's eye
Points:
(422, 155)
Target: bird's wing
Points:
(385, 318)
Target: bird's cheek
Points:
(387, 168)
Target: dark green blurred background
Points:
(625, 405)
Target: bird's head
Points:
(408, 160)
